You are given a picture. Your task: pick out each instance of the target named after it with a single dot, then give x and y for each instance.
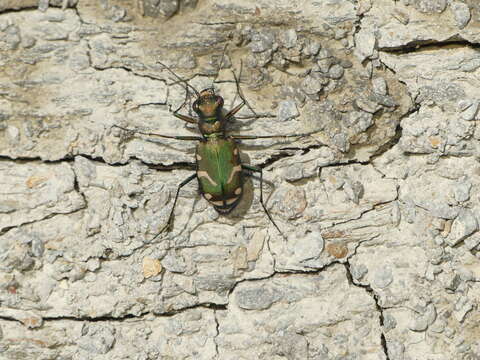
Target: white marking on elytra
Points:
(231, 200)
(208, 196)
(235, 169)
(217, 203)
(198, 157)
(204, 174)
(238, 191)
(235, 151)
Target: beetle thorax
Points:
(208, 106)
(211, 127)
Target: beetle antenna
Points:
(179, 78)
(240, 92)
(220, 65)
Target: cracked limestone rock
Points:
(372, 179)
(285, 316)
(32, 192)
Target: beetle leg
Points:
(187, 85)
(197, 138)
(240, 94)
(186, 118)
(251, 137)
(170, 217)
(232, 112)
(259, 170)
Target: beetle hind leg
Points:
(170, 217)
(249, 169)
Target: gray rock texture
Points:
(376, 197)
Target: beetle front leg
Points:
(186, 118)
(252, 137)
(177, 137)
(232, 112)
(187, 85)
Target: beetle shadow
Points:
(237, 124)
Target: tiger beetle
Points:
(219, 169)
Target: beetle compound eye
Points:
(219, 101)
(195, 106)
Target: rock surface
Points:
(376, 198)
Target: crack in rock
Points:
(416, 46)
(374, 296)
(209, 306)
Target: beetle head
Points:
(208, 104)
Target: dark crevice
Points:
(82, 318)
(398, 133)
(374, 296)
(335, 164)
(34, 8)
(217, 329)
(7, 229)
(77, 12)
(428, 45)
(76, 186)
(275, 157)
(207, 305)
(29, 159)
(392, 142)
(181, 165)
(313, 272)
(127, 69)
(358, 23)
(346, 163)
(210, 306)
(66, 158)
(94, 319)
(283, 154)
(16, 10)
(414, 107)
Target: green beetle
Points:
(219, 168)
